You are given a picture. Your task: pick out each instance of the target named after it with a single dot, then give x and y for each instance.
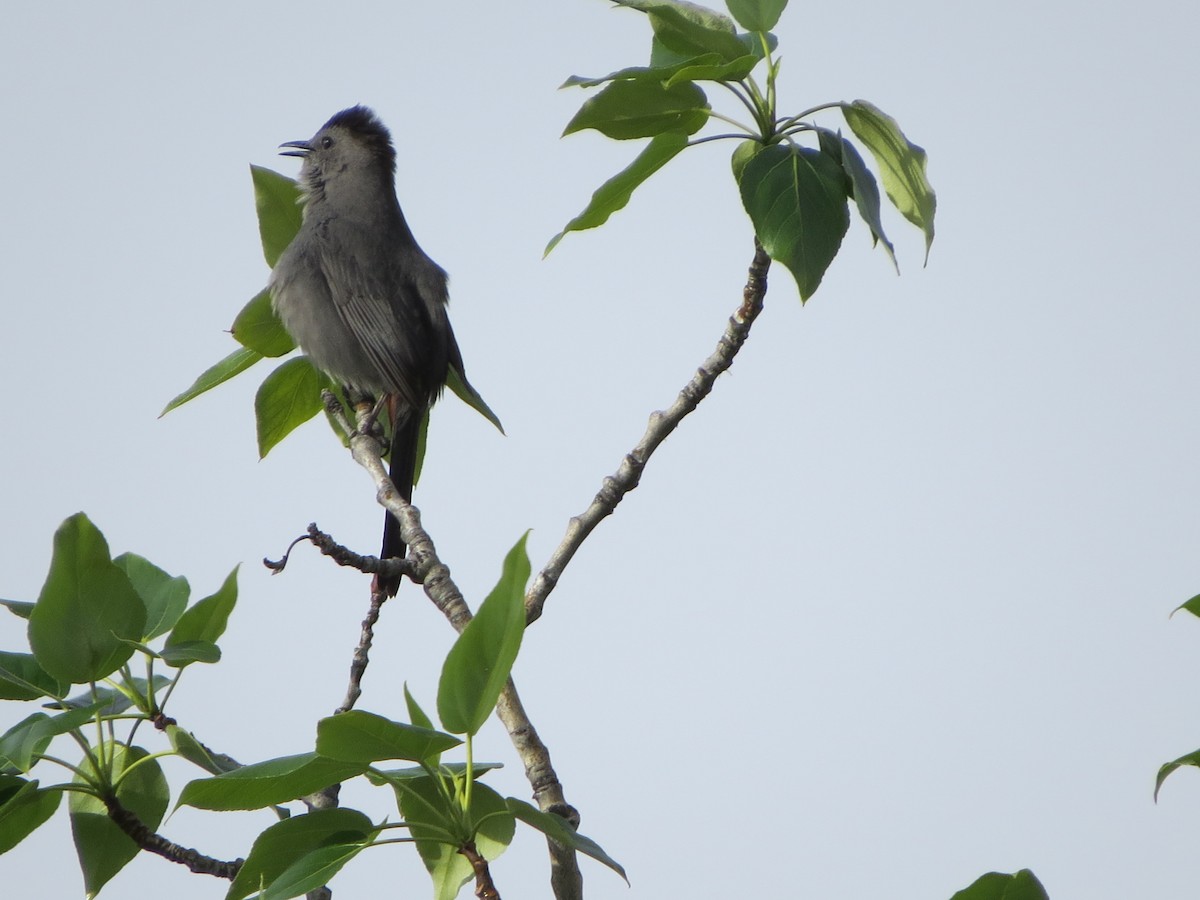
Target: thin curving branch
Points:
(434, 576)
(662, 423)
(135, 828)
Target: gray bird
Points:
(359, 295)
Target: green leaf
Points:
(614, 194)
(864, 190)
(796, 198)
(187, 652)
(432, 823)
(556, 827)
(744, 152)
(647, 73)
(277, 199)
(688, 29)
(358, 736)
(102, 847)
(285, 843)
(1192, 606)
(757, 15)
(24, 743)
(1191, 759)
(901, 164)
(641, 108)
(19, 608)
(287, 398)
(454, 770)
(23, 809)
(258, 327)
(21, 678)
(478, 664)
(234, 364)
(202, 624)
(468, 395)
(721, 72)
(193, 751)
(268, 783)
(490, 825)
(164, 596)
(312, 871)
(1022, 885)
(87, 608)
(415, 713)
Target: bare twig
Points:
(141, 834)
(662, 423)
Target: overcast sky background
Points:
(889, 612)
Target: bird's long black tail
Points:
(402, 465)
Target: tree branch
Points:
(614, 487)
(141, 834)
(434, 576)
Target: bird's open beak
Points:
(303, 148)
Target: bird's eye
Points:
(326, 143)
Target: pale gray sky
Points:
(889, 612)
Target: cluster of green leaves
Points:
(93, 615)
(291, 394)
(1022, 885)
(95, 612)
(797, 196)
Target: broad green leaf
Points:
(193, 751)
(277, 199)
(468, 395)
(187, 652)
(19, 608)
(625, 110)
(614, 194)
(87, 608)
(287, 398)
(286, 842)
(1190, 759)
(268, 783)
(647, 73)
(21, 678)
(391, 776)
(689, 29)
(901, 164)
(796, 198)
(1022, 885)
(423, 806)
(864, 190)
(23, 809)
(431, 822)
(312, 871)
(164, 596)
(358, 736)
(234, 364)
(259, 328)
(757, 15)
(23, 744)
(203, 623)
(557, 828)
(102, 847)
(1192, 606)
(415, 713)
(478, 664)
(730, 71)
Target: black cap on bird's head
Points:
(361, 124)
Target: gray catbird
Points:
(357, 293)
